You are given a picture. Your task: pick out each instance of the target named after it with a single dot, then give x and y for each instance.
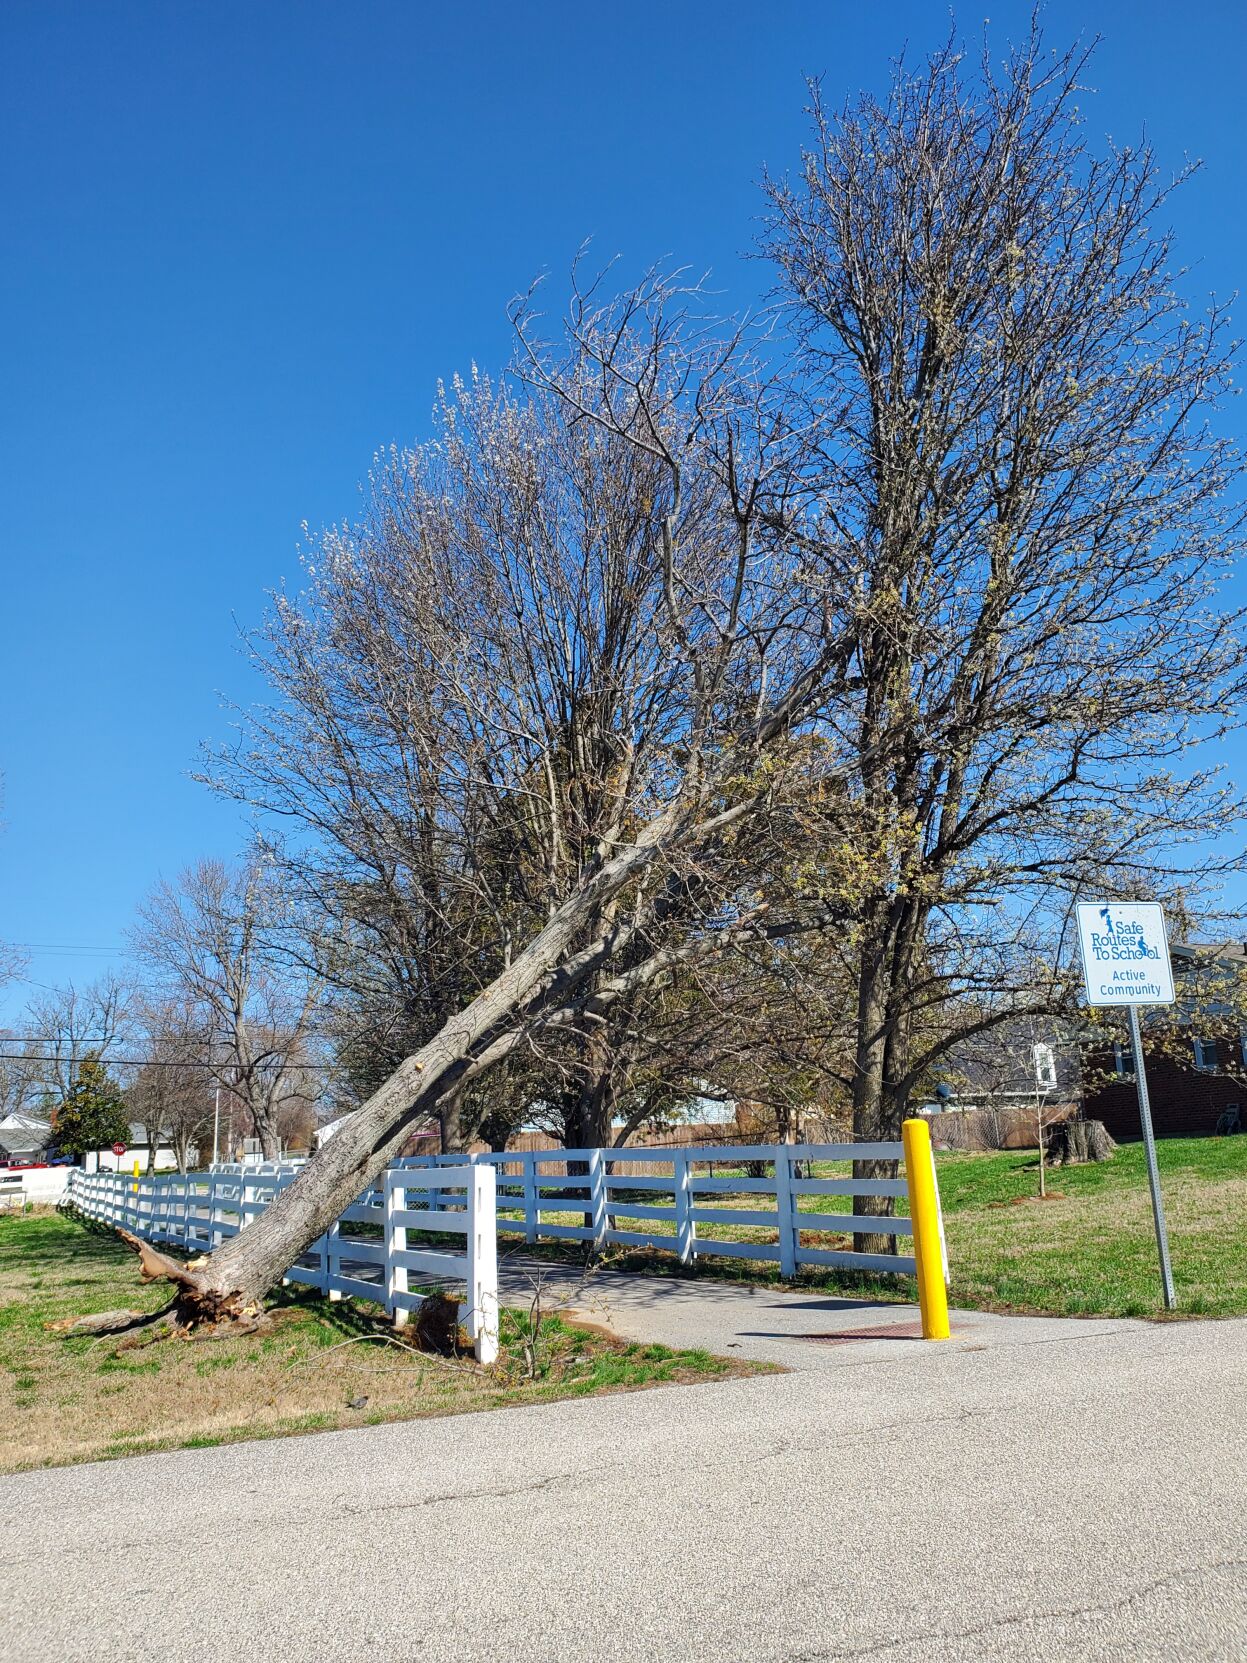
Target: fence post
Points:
(333, 1258)
(395, 1243)
(785, 1211)
(682, 1195)
(530, 1197)
(939, 1216)
(433, 1197)
(482, 1245)
(215, 1211)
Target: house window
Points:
(1205, 1053)
(1123, 1061)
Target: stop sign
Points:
(119, 1148)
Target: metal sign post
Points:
(1153, 1175)
(1125, 959)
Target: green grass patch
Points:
(1090, 1248)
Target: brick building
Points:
(1196, 1053)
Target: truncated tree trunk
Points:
(1077, 1141)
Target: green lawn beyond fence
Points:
(1087, 1250)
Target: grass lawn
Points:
(79, 1398)
(1091, 1249)
(1087, 1250)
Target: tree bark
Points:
(873, 1001)
(449, 1115)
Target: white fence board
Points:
(897, 1263)
(848, 1223)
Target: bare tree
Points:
(1010, 465)
(563, 629)
(23, 1086)
(171, 1095)
(205, 936)
(65, 1024)
(957, 586)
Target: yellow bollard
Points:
(135, 1185)
(924, 1210)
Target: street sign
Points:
(1125, 961)
(1125, 953)
(119, 1148)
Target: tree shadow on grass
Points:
(48, 1243)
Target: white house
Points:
(162, 1159)
(24, 1137)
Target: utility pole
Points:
(216, 1126)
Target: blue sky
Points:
(242, 242)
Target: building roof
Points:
(24, 1134)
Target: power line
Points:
(65, 1039)
(121, 1062)
(66, 947)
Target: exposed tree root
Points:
(99, 1322)
(164, 1325)
(198, 1312)
(195, 1304)
(155, 1265)
(193, 1307)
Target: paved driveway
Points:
(1064, 1491)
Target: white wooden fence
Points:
(200, 1210)
(734, 1201)
(688, 1197)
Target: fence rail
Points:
(701, 1201)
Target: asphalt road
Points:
(1057, 1491)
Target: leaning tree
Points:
(561, 680)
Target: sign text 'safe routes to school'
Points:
(1125, 953)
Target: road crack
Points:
(994, 1625)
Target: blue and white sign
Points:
(1125, 953)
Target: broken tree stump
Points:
(1075, 1142)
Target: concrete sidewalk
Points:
(799, 1331)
